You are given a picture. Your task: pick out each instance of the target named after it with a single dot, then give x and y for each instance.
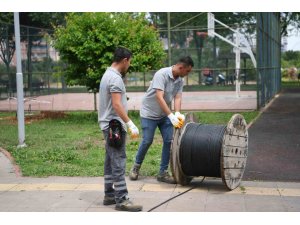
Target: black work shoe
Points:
(166, 178)
(127, 205)
(134, 172)
(109, 200)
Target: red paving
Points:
(200, 101)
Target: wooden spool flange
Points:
(175, 165)
(234, 151)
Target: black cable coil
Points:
(200, 149)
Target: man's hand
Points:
(132, 129)
(180, 116)
(175, 121)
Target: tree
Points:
(7, 45)
(38, 24)
(33, 26)
(290, 60)
(87, 42)
(289, 18)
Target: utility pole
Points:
(19, 77)
(169, 38)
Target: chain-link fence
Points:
(214, 62)
(40, 62)
(268, 57)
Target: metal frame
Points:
(241, 44)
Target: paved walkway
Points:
(214, 101)
(274, 140)
(6, 168)
(85, 194)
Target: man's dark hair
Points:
(121, 53)
(187, 61)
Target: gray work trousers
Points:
(114, 170)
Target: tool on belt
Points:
(115, 137)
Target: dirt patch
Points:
(37, 117)
(53, 114)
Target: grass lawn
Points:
(71, 144)
(290, 84)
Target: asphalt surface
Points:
(274, 140)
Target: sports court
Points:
(196, 101)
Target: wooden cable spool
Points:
(233, 152)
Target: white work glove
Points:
(132, 129)
(175, 121)
(180, 116)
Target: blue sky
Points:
(294, 42)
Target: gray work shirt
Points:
(162, 80)
(111, 82)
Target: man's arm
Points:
(118, 107)
(163, 105)
(177, 102)
(161, 101)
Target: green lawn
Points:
(73, 145)
(290, 84)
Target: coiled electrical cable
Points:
(200, 150)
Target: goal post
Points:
(211, 24)
(240, 44)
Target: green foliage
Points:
(289, 19)
(6, 17)
(290, 59)
(88, 41)
(7, 41)
(45, 20)
(246, 20)
(290, 84)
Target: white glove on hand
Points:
(175, 121)
(133, 130)
(180, 116)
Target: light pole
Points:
(19, 77)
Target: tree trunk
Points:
(7, 62)
(10, 83)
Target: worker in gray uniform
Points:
(114, 121)
(166, 86)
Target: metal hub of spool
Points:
(233, 156)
